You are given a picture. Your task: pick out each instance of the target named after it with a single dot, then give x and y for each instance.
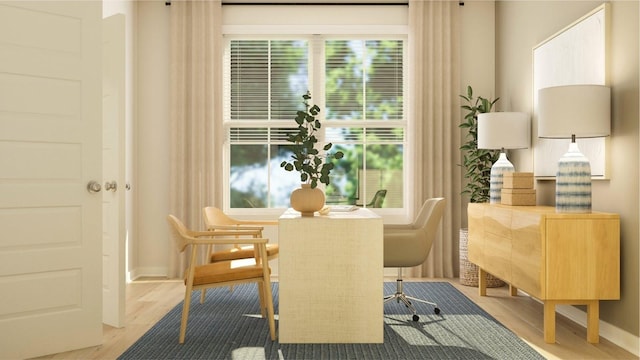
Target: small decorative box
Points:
(517, 180)
(518, 197)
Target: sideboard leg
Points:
(549, 322)
(482, 282)
(513, 291)
(593, 321)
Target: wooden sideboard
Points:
(558, 258)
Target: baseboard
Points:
(148, 272)
(619, 337)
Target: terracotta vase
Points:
(307, 200)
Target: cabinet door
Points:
(475, 242)
(497, 242)
(527, 252)
(582, 258)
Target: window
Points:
(353, 60)
(359, 84)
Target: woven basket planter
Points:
(469, 270)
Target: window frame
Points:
(316, 71)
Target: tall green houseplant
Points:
(476, 162)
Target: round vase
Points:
(307, 200)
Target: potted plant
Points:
(476, 162)
(477, 165)
(314, 167)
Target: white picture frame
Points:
(577, 54)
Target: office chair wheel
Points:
(436, 310)
(416, 317)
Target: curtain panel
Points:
(196, 101)
(434, 65)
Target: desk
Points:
(330, 274)
(559, 258)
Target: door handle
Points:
(94, 187)
(111, 186)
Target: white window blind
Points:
(265, 77)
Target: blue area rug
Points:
(228, 326)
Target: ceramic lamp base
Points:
(499, 168)
(573, 182)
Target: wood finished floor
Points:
(149, 300)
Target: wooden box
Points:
(517, 180)
(518, 196)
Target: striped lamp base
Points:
(501, 166)
(573, 182)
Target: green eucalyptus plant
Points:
(313, 166)
(476, 162)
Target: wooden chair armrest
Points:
(234, 227)
(228, 241)
(218, 233)
(257, 222)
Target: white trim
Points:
(152, 271)
(308, 30)
(315, 15)
(619, 337)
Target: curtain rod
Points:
(168, 3)
(460, 3)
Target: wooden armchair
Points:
(216, 219)
(224, 273)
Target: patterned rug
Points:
(227, 326)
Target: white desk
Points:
(330, 275)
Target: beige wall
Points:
(152, 142)
(520, 25)
(477, 65)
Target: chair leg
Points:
(261, 294)
(268, 299)
(400, 296)
(185, 314)
(203, 295)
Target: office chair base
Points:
(400, 296)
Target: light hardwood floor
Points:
(149, 300)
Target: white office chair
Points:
(409, 245)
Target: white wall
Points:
(128, 9)
(152, 140)
(478, 61)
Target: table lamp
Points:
(570, 112)
(502, 130)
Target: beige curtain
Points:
(434, 64)
(196, 100)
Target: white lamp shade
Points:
(504, 130)
(580, 110)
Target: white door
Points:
(50, 149)
(113, 161)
